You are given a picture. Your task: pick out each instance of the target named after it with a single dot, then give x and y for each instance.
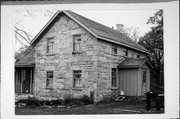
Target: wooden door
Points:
(128, 79)
(144, 81)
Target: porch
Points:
(24, 76)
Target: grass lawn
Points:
(110, 108)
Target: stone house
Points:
(73, 55)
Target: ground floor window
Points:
(114, 78)
(77, 78)
(49, 79)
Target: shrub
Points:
(69, 100)
(72, 101)
(86, 100)
(29, 102)
(107, 99)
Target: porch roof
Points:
(25, 63)
(134, 63)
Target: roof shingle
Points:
(133, 62)
(107, 32)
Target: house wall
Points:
(96, 61)
(105, 62)
(63, 62)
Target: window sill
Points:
(114, 88)
(114, 54)
(78, 88)
(49, 88)
(50, 54)
(77, 52)
(125, 56)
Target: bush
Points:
(72, 101)
(29, 102)
(86, 100)
(69, 100)
(107, 99)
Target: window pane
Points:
(114, 49)
(49, 79)
(50, 45)
(77, 42)
(114, 79)
(49, 74)
(77, 79)
(77, 38)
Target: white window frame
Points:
(114, 77)
(114, 49)
(77, 81)
(77, 40)
(49, 80)
(50, 46)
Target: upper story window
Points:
(77, 79)
(125, 52)
(49, 79)
(138, 55)
(50, 45)
(77, 43)
(114, 49)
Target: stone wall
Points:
(63, 62)
(96, 61)
(107, 61)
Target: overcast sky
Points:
(33, 21)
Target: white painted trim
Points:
(45, 26)
(85, 27)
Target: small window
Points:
(77, 79)
(77, 43)
(114, 49)
(125, 52)
(114, 78)
(50, 45)
(144, 76)
(49, 79)
(138, 55)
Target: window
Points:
(144, 76)
(77, 79)
(125, 52)
(114, 49)
(77, 43)
(114, 78)
(50, 45)
(138, 55)
(49, 79)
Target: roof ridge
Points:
(98, 30)
(114, 33)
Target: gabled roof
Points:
(134, 63)
(98, 30)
